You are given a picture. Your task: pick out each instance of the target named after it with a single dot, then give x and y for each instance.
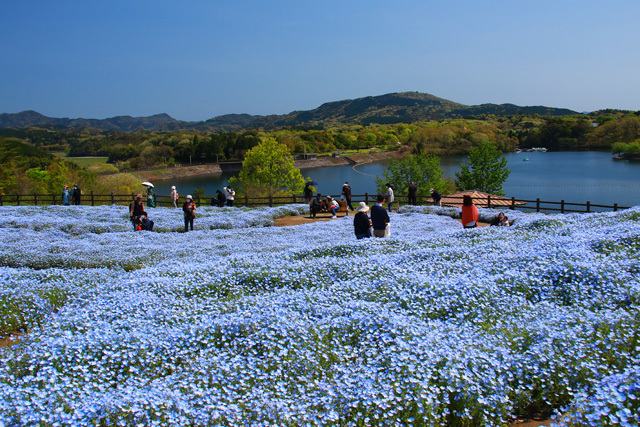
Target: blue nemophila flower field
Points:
(243, 323)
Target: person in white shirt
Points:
(390, 196)
(229, 193)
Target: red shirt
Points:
(469, 214)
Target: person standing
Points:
(189, 210)
(436, 197)
(346, 194)
(412, 194)
(66, 196)
(361, 222)
(222, 199)
(308, 194)
(469, 213)
(151, 197)
(390, 197)
(379, 217)
(230, 195)
(136, 211)
(174, 196)
(75, 194)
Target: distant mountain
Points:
(405, 107)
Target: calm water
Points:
(576, 177)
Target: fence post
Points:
(92, 200)
(17, 200)
(489, 201)
(270, 201)
(513, 203)
(293, 197)
(588, 206)
(615, 207)
(538, 204)
(53, 199)
(246, 200)
(199, 201)
(366, 198)
(1, 201)
(561, 206)
(35, 199)
(113, 200)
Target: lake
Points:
(576, 177)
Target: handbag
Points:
(387, 231)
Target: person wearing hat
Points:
(346, 194)
(333, 206)
(174, 196)
(151, 197)
(189, 210)
(361, 222)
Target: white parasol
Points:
(148, 184)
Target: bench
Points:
(321, 214)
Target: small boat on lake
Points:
(526, 159)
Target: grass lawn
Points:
(85, 162)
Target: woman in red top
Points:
(469, 213)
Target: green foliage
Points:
(268, 169)
(423, 169)
(485, 171)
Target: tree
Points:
(423, 169)
(485, 171)
(268, 169)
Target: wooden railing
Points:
(92, 199)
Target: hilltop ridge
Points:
(402, 107)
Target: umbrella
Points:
(311, 183)
(148, 184)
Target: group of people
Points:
(224, 197)
(71, 196)
(140, 218)
(377, 224)
(327, 205)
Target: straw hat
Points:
(362, 207)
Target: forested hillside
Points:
(405, 107)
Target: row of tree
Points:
(130, 151)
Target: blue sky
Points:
(199, 59)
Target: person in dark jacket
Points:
(361, 222)
(316, 205)
(308, 194)
(436, 197)
(136, 211)
(379, 217)
(222, 199)
(346, 194)
(412, 194)
(75, 194)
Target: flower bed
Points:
(240, 323)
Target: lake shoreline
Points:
(214, 169)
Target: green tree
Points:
(486, 170)
(423, 169)
(268, 169)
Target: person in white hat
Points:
(189, 209)
(361, 222)
(174, 196)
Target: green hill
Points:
(404, 107)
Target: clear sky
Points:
(199, 59)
